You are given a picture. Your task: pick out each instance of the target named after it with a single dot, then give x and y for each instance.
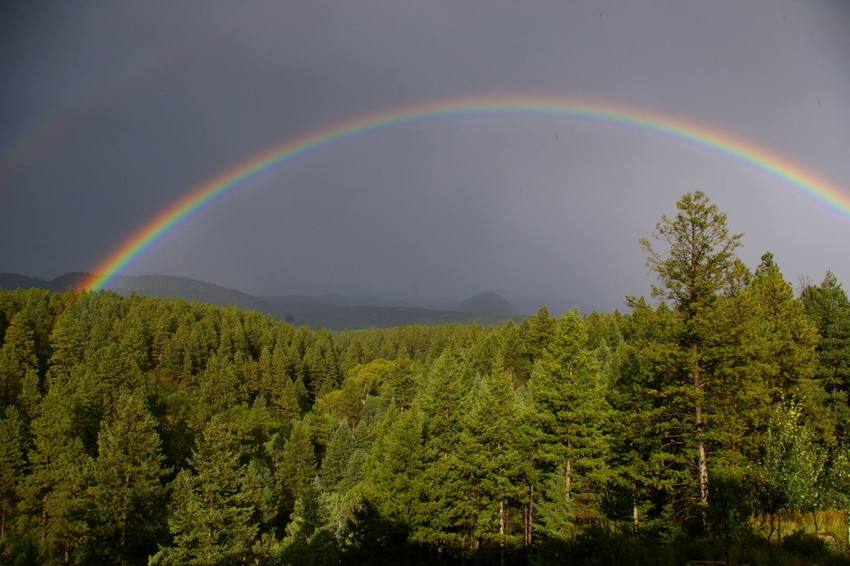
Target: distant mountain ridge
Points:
(63, 283)
(487, 302)
(353, 314)
(341, 300)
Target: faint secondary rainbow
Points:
(677, 128)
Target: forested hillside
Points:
(709, 422)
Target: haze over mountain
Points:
(487, 302)
(340, 299)
(332, 311)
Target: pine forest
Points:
(708, 422)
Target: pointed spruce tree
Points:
(213, 516)
(572, 415)
(127, 492)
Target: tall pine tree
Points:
(694, 266)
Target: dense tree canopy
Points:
(709, 425)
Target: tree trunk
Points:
(770, 537)
(502, 532)
(529, 525)
(635, 516)
(702, 462)
(568, 477)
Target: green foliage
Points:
(12, 464)
(54, 493)
(696, 265)
(794, 464)
(127, 490)
(139, 429)
(214, 516)
(572, 414)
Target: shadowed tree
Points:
(17, 356)
(11, 463)
(53, 494)
(214, 516)
(127, 491)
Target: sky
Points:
(112, 111)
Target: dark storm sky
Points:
(110, 111)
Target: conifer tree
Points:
(445, 512)
(53, 495)
(695, 267)
(572, 414)
(17, 356)
(791, 336)
(296, 466)
(309, 538)
(394, 466)
(12, 463)
(491, 452)
(762, 352)
(653, 463)
(335, 463)
(127, 491)
(213, 519)
(535, 333)
(828, 307)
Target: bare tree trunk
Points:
(635, 517)
(529, 530)
(702, 462)
(502, 532)
(568, 477)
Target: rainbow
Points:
(238, 175)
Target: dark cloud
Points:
(111, 111)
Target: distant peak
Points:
(487, 302)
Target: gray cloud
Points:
(124, 107)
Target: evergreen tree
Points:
(12, 464)
(309, 538)
(53, 494)
(651, 456)
(828, 307)
(491, 452)
(572, 413)
(792, 337)
(127, 491)
(394, 466)
(444, 514)
(334, 468)
(31, 395)
(17, 356)
(696, 267)
(534, 336)
(296, 466)
(213, 519)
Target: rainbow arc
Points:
(688, 131)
